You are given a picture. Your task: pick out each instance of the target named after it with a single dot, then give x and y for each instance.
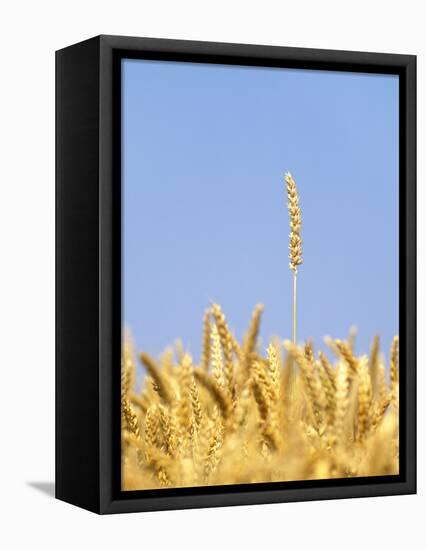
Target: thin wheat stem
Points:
(294, 306)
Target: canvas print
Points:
(259, 275)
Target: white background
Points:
(30, 31)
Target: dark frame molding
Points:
(88, 273)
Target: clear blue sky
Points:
(205, 216)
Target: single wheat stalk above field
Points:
(240, 416)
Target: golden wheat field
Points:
(241, 417)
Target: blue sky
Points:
(205, 216)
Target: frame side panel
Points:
(77, 277)
(110, 277)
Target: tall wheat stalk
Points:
(240, 417)
(295, 245)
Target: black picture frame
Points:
(88, 273)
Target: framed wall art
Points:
(236, 274)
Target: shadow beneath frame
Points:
(46, 487)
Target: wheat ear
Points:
(206, 353)
(129, 417)
(295, 238)
(160, 381)
(250, 339)
(394, 360)
(217, 393)
(226, 343)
